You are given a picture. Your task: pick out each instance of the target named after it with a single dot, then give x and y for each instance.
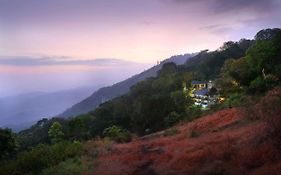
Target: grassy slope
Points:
(221, 143)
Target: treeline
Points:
(260, 69)
(247, 67)
(150, 105)
(239, 68)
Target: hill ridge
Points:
(107, 93)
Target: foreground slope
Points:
(225, 142)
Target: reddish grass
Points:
(227, 145)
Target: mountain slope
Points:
(27, 108)
(108, 93)
(225, 143)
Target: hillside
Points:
(107, 93)
(158, 128)
(225, 142)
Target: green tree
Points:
(263, 59)
(117, 134)
(172, 118)
(40, 157)
(168, 68)
(259, 70)
(234, 75)
(7, 142)
(55, 132)
(267, 34)
(79, 128)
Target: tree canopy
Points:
(7, 142)
(55, 132)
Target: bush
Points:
(91, 149)
(55, 132)
(269, 110)
(41, 157)
(171, 132)
(8, 143)
(234, 100)
(194, 134)
(69, 167)
(117, 134)
(193, 112)
(7, 167)
(172, 118)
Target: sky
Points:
(136, 31)
(20, 75)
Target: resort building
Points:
(204, 93)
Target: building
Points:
(199, 84)
(204, 93)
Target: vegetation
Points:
(117, 134)
(55, 132)
(71, 166)
(259, 70)
(194, 134)
(170, 132)
(41, 157)
(7, 143)
(240, 69)
(268, 109)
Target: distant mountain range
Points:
(21, 111)
(110, 92)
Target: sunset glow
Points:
(142, 31)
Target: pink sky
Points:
(141, 31)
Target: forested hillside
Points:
(110, 92)
(244, 72)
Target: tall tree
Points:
(267, 34)
(55, 132)
(7, 142)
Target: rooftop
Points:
(198, 82)
(201, 92)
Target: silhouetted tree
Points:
(7, 142)
(267, 34)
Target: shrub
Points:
(7, 167)
(172, 118)
(170, 132)
(71, 166)
(248, 110)
(55, 132)
(8, 143)
(91, 149)
(35, 160)
(194, 134)
(234, 100)
(117, 134)
(41, 157)
(269, 110)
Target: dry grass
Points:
(234, 148)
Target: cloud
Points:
(50, 61)
(147, 23)
(145, 30)
(229, 6)
(211, 27)
(217, 29)
(260, 6)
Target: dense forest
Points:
(243, 71)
